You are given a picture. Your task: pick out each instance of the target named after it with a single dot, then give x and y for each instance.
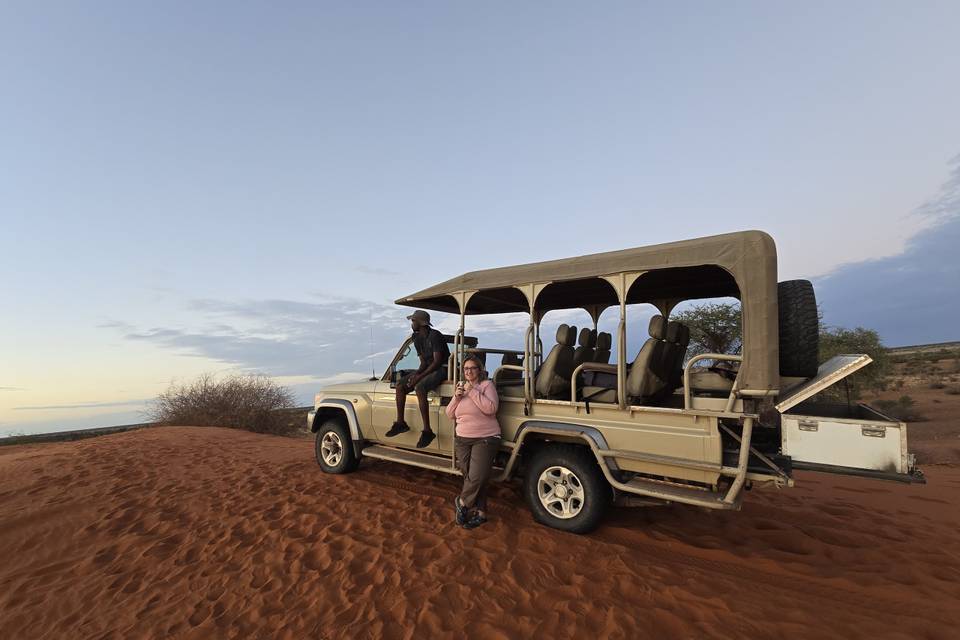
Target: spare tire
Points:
(799, 329)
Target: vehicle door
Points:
(385, 403)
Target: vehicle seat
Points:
(553, 379)
(643, 381)
(678, 338)
(705, 381)
(602, 352)
(585, 352)
(511, 359)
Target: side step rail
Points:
(432, 461)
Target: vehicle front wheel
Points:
(334, 448)
(565, 488)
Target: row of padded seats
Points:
(593, 347)
(553, 377)
(656, 371)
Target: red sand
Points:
(203, 532)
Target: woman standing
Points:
(477, 439)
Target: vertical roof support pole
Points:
(462, 298)
(621, 283)
(530, 340)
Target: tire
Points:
(799, 329)
(334, 448)
(550, 467)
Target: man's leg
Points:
(424, 386)
(400, 426)
(402, 392)
(424, 408)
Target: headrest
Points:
(604, 341)
(588, 337)
(511, 359)
(674, 329)
(658, 327)
(684, 339)
(566, 335)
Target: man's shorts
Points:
(430, 382)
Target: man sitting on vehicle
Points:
(433, 351)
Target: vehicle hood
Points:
(346, 388)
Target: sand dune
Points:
(204, 532)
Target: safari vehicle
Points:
(647, 428)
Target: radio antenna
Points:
(373, 370)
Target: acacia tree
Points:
(714, 328)
(838, 340)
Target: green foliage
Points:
(838, 340)
(250, 402)
(714, 328)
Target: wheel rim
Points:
(561, 492)
(331, 448)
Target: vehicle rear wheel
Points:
(799, 329)
(565, 488)
(334, 448)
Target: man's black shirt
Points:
(433, 342)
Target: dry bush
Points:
(937, 385)
(251, 402)
(903, 408)
(953, 391)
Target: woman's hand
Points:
(467, 386)
(458, 392)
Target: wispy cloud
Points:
(12, 389)
(946, 203)
(81, 405)
(284, 337)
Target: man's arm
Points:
(433, 366)
(424, 365)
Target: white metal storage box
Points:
(854, 436)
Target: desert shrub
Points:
(937, 385)
(837, 340)
(251, 402)
(903, 408)
(953, 391)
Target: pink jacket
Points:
(476, 411)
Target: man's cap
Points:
(420, 315)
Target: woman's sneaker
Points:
(474, 521)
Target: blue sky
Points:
(190, 187)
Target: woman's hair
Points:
(482, 371)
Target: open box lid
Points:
(833, 370)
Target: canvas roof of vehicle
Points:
(741, 264)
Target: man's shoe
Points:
(461, 511)
(397, 429)
(425, 439)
